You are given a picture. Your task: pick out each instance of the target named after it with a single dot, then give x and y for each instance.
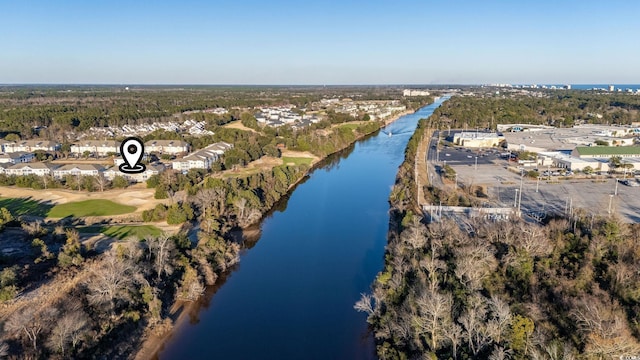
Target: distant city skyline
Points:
(329, 42)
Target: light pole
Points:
(515, 199)
(520, 197)
(456, 181)
(537, 183)
(476, 163)
(610, 200)
(615, 192)
(548, 172)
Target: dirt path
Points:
(140, 197)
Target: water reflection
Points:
(292, 295)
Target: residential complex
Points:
(96, 147)
(29, 146)
(171, 147)
(201, 159)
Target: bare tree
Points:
(110, 280)
(433, 267)
(604, 328)
(240, 204)
(473, 322)
(30, 322)
(473, 264)
(499, 353)
(415, 234)
(68, 331)
(365, 304)
(434, 310)
(212, 201)
(4, 349)
(101, 181)
(453, 334)
(501, 319)
(162, 249)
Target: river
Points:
(292, 295)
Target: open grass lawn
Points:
(26, 206)
(296, 160)
(349, 126)
(123, 231)
(97, 207)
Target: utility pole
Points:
(456, 181)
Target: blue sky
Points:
(328, 42)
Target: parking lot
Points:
(544, 196)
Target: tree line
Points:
(564, 289)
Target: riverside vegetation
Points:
(64, 300)
(565, 289)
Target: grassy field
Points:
(97, 207)
(123, 231)
(26, 206)
(349, 126)
(296, 160)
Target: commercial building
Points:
(606, 151)
(412, 92)
(477, 139)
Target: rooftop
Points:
(608, 150)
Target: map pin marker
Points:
(132, 150)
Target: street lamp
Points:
(520, 197)
(610, 200)
(515, 199)
(537, 183)
(456, 181)
(476, 163)
(615, 192)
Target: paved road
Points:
(431, 157)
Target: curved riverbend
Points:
(292, 295)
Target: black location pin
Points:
(132, 150)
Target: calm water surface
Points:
(292, 295)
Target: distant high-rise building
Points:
(612, 88)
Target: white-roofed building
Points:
(77, 170)
(16, 157)
(201, 159)
(37, 168)
(477, 139)
(30, 146)
(151, 170)
(173, 147)
(96, 147)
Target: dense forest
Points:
(568, 288)
(24, 109)
(562, 109)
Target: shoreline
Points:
(151, 345)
